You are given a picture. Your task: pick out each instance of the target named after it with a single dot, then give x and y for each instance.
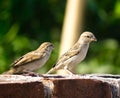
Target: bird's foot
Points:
(30, 73)
(69, 72)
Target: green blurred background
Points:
(25, 24)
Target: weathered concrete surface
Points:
(54, 86)
(20, 87)
(85, 86)
(81, 88)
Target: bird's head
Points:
(87, 37)
(46, 46)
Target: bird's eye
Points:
(88, 36)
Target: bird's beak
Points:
(93, 39)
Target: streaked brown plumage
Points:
(32, 60)
(75, 54)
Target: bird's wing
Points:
(70, 53)
(32, 56)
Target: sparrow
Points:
(32, 60)
(75, 54)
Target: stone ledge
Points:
(81, 88)
(15, 86)
(55, 86)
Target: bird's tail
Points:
(9, 72)
(51, 70)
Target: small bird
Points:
(32, 60)
(75, 54)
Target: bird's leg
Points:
(69, 72)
